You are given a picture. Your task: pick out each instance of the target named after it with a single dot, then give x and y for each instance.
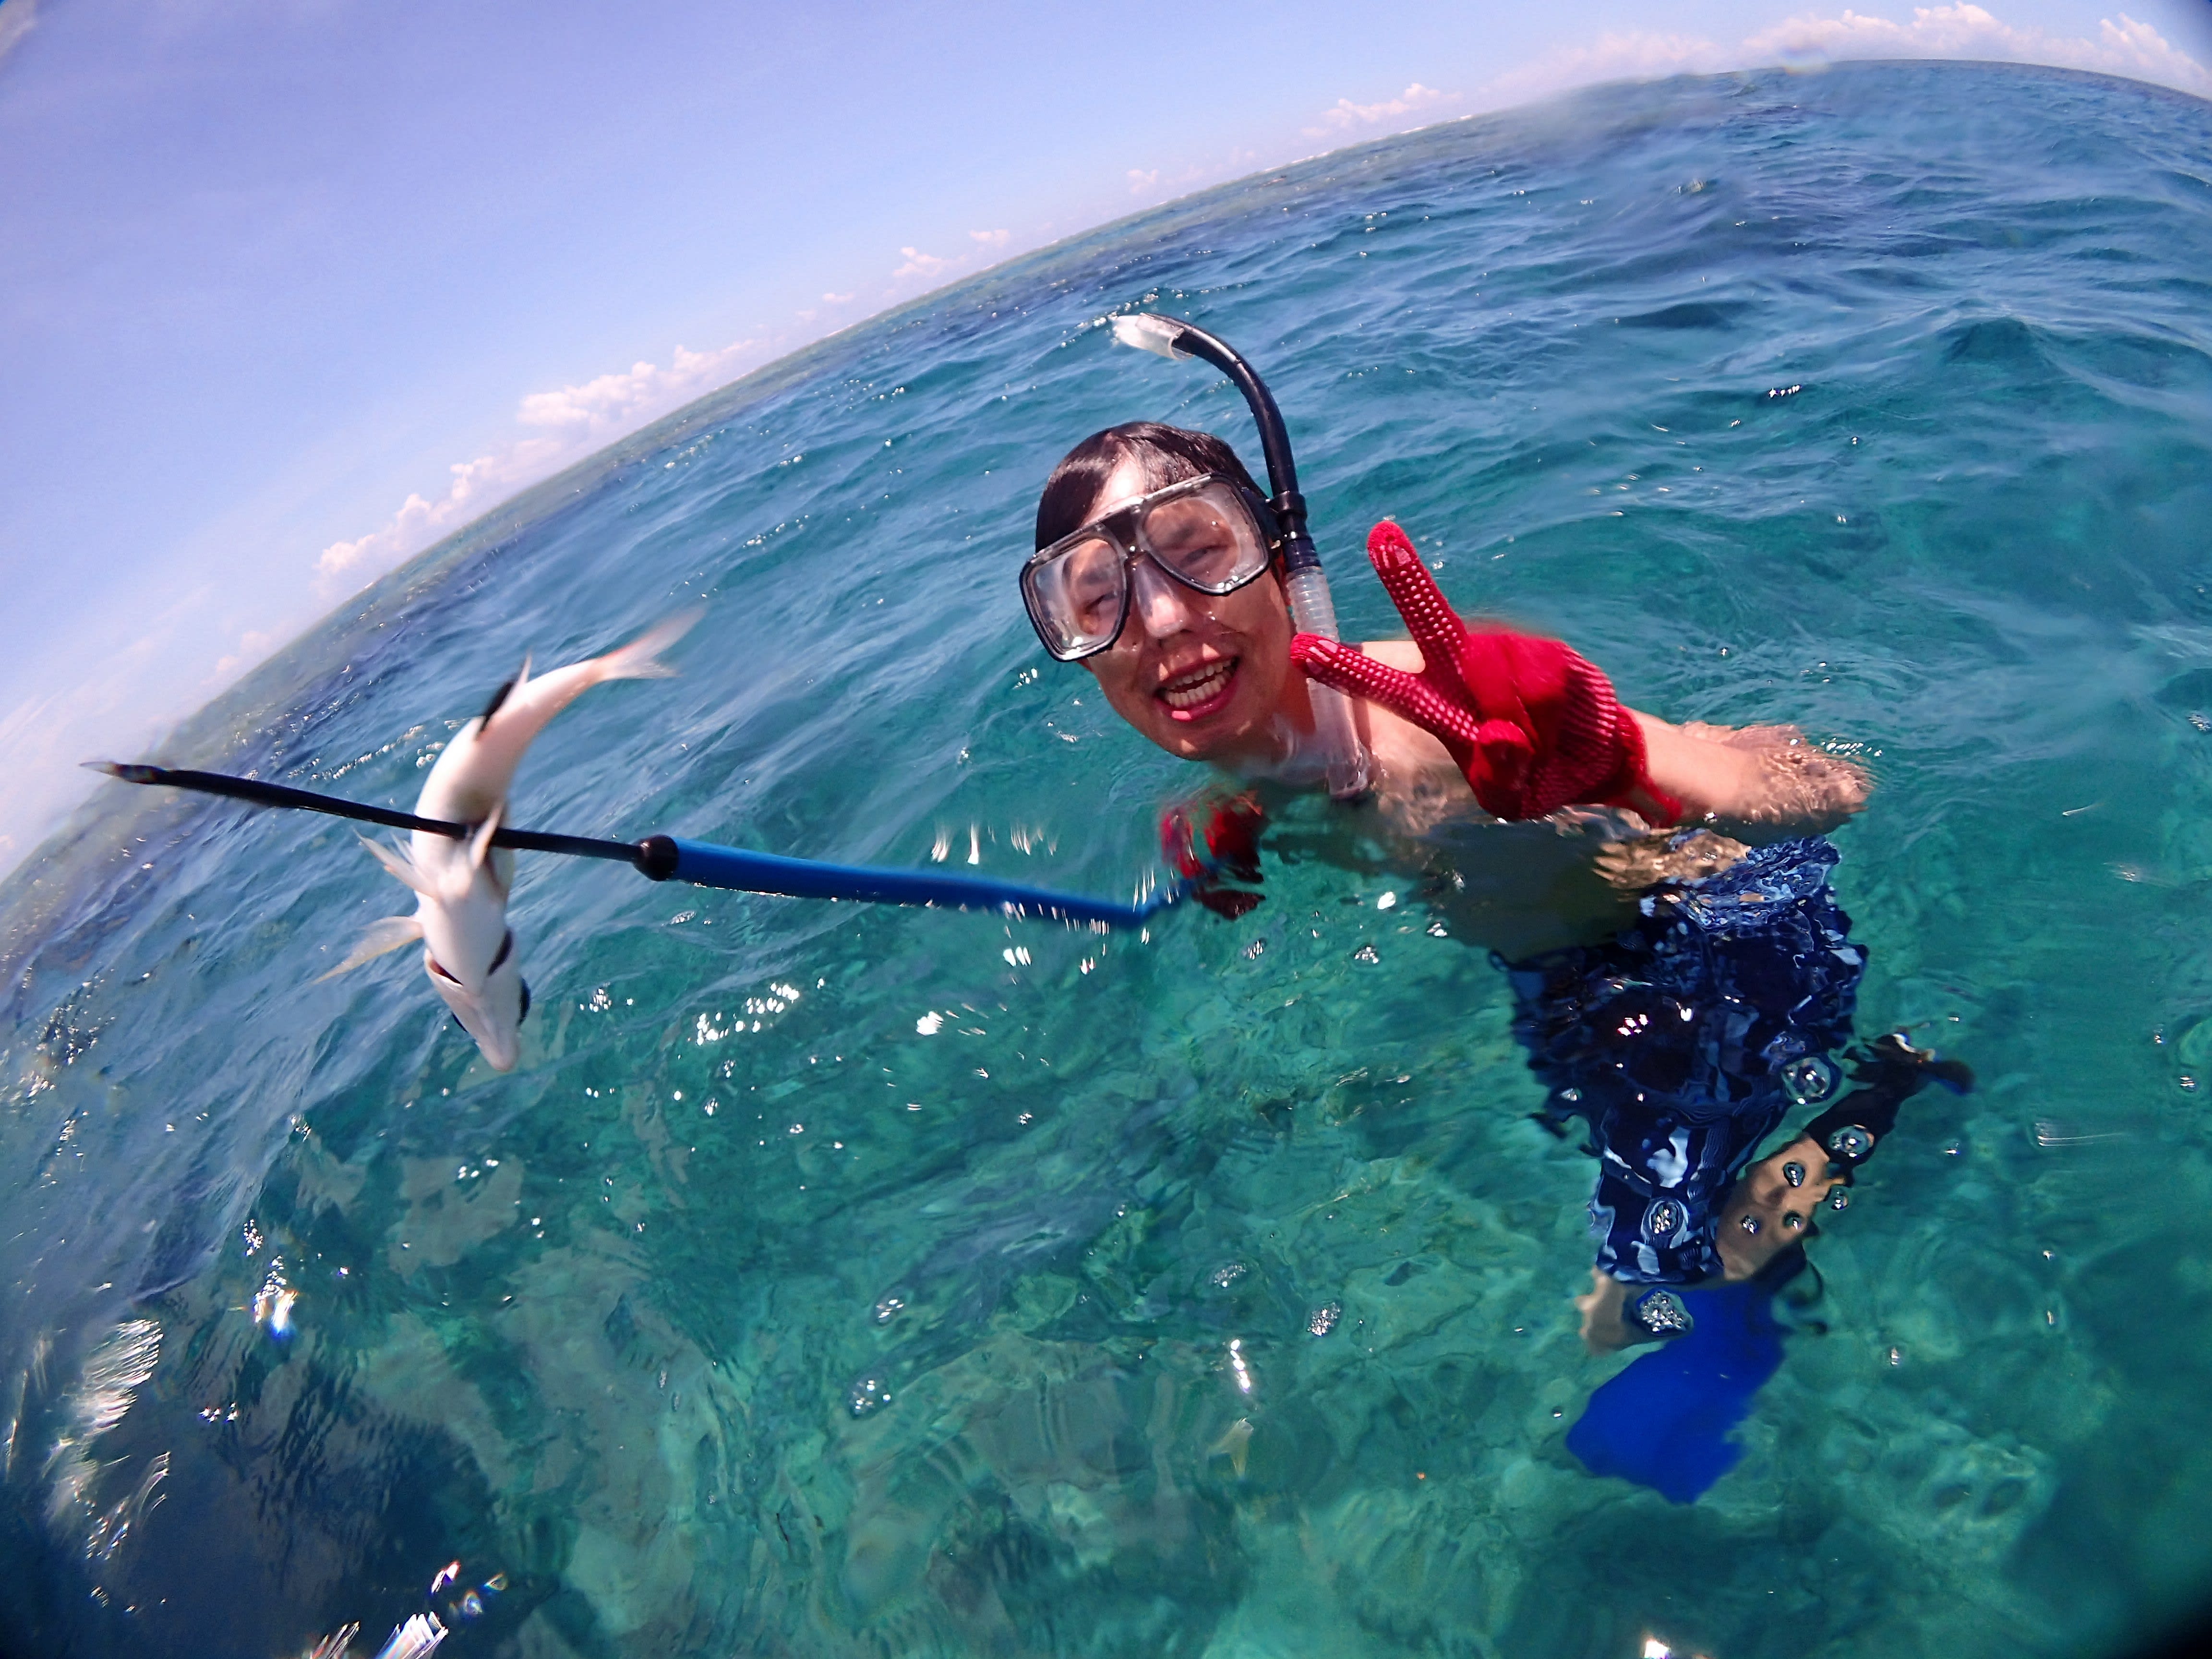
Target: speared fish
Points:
(461, 886)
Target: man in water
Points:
(1658, 892)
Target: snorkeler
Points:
(1658, 893)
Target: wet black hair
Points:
(1167, 454)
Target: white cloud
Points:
(615, 403)
(15, 19)
(1161, 183)
(567, 424)
(919, 263)
(2126, 48)
(253, 646)
(43, 769)
(476, 485)
(106, 709)
(939, 267)
(93, 703)
(578, 418)
(1634, 54)
(1348, 116)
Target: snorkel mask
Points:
(1350, 768)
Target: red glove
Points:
(1232, 852)
(1534, 727)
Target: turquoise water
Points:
(752, 1314)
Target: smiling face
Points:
(1202, 676)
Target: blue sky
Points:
(291, 290)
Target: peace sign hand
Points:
(1533, 725)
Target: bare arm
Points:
(1758, 783)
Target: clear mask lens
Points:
(1207, 538)
(1076, 596)
(1202, 533)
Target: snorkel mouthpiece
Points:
(1158, 335)
(1350, 768)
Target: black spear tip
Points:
(128, 771)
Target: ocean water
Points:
(831, 1280)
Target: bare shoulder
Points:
(1418, 774)
(1397, 654)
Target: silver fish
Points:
(461, 886)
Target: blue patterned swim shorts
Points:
(1684, 1040)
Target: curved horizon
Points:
(86, 680)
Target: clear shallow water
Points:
(1880, 401)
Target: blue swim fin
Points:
(1664, 1422)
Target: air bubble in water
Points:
(868, 1394)
(1808, 1080)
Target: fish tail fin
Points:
(400, 867)
(641, 658)
(388, 934)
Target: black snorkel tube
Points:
(1350, 768)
